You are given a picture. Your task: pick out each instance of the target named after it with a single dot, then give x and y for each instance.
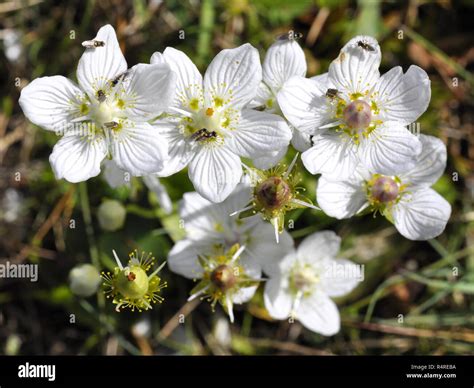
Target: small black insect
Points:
(332, 93)
(101, 96)
(111, 125)
(290, 35)
(116, 80)
(93, 43)
(365, 46)
(203, 134)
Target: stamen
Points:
(199, 293)
(119, 264)
(237, 254)
(230, 310)
(290, 168)
(306, 204)
(275, 225)
(241, 211)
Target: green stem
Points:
(206, 24)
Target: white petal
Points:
(215, 171)
(319, 245)
(340, 199)
(390, 149)
(304, 103)
(114, 175)
(139, 148)
(238, 199)
(421, 215)
(178, 150)
(150, 90)
(301, 141)
(403, 97)
(51, 102)
(264, 98)
(341, 277)
(189, 80)
(283, 60)
(265, 250)
(183, 259)
(319, 313)
(259, 133)
(265, 162)
(331, 154)
(234, 76)
(277, 301)
(154, 185)
(429, 165)
(243, 295)
(99, 65)
(77, 158)
(202, 218)
(355, 70)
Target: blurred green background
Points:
(417, 297)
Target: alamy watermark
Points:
(19, 271)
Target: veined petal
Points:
(340, 278)
(100, 65)
(149, 91)
(215, 171)
(202, 218)
(429, 165)
(301, 141)
(319, 313)
(239, 198)
(267, 161)
(356, 69)
(51, 102)
(318, 246)
(265, 250)
(403, 97)
(277, 300)
(304, 104)
(77, 158)
(340, 199)
(183, 259)
(189, 80)
(421, 215)
(331, 154)
(155, 186)
(234, 76)
(138, 148)
(259, 133)
(283, 60)
(114, 175)
(390, 149)
(243, 295)
(178, 150)
(264, 98)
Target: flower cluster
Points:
(154, 120)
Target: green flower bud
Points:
(111, 215)
(132, 282)
(273, 193)
(84, 280)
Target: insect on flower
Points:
(332, 93)
(365, 45)
(93, 43)
(131, 286)
(203, 134)
(290, 35)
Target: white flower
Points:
(355, 114)
(284, 59)
(210, 127)
(208, 226)
(417, 211)
(302, 284)
(106, 115)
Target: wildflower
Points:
(357, 116)
(224, 280)
(275, 192)
(131, 286)
(284, 59)
(208, 225)
(301, 285)
(106, 115)
(406, 199)
(209, 126)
